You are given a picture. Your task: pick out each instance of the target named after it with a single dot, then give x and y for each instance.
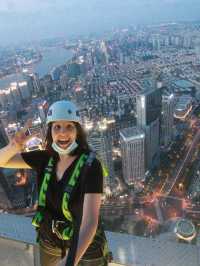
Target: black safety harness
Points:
(64, 229)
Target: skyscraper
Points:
(24, 90)
(33, 82)
(3, 136)
(148, 108)
(104, 50)
(102, 144)
(133, 154)
(167, 119)
(42, 109)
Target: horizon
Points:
(22, 21)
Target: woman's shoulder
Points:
(36, 153)
(93, 159)
(94, 177)
(95, 164)
(36, 159)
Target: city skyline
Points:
(138, 94)
(33, 20)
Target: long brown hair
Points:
(81, 140)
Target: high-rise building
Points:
(3, 136)
(36, 83)
(167, 119)
(14, 94)
(156, 42)
(24, 91)
(33, 82)
(167, 41)
(55, 73)
(10, 96)
(102, 144)
(64, 79)
(133, 154)
(43, 108)
(148, 108)
(187, 41)
(104, 50)
(46, 83)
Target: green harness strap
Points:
(39, 216)
(68, 231)
(71, 184)
(37, 219)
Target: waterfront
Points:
(51, 58)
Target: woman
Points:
(70, 183)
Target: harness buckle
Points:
(58, 227)
(56, 223)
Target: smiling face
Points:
(63, 133)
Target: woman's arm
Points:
(91, 206)
(11, 158)
(10, 155)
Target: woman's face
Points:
(63, 133)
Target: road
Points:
(170, 182)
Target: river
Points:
(51, 58)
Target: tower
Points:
(132, 142)
(148, 108)
(101, 143)
(3, 136)
(167, 119)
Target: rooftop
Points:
(182, 83)
(132, 133)
(183, 103)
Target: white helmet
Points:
(63, 110)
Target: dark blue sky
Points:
(22, 20)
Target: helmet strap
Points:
(61, 151)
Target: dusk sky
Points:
(22, 20)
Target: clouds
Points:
(29, 6)
(105, 6)
(32, 19)
(13, 5)
(25, 6)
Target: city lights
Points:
(137, 92)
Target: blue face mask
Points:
(61, 151)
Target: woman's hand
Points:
(21, 136)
